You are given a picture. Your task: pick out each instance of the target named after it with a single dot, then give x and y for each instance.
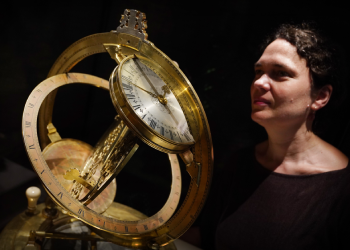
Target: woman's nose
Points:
(263, 82)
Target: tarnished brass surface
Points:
(65, 156)
(119, 45)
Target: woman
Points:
(285, 97)
(291, 191)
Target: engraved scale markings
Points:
(59, 194)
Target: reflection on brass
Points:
(74, 175)
(128, 40)
(64, 155)
(162, 100)
(116, 51)
(109, 157)
(53, 134)
(123, 212)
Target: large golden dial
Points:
(176, 111)
(156, 105)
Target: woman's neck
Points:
(289, 144)
(297, 150)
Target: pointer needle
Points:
(155, 91)
(141, 88)
(145, 76)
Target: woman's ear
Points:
(322, 97)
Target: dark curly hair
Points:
(321, 58)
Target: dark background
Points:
(215, 45)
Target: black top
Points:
(254, 208)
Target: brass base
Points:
(16, 234)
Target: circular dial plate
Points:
(58, 193)
(67, 154)
(153, 101)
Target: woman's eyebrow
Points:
(257, 64)
(277, 65)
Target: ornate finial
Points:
(134, 23)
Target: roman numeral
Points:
(81, 212)
(129, 96)
(125, 78)
(162, 130)
(38, 90)
(187, 136)
(60, 195)
(27, 124)
(136, 107)
(153, 124)
(160, 219)
(131, 67)
(179, 136)
(42, 171)
(143, 117)
(30, 105)
(126, 229)
(171, 134)
(146, 227)
(104, 224)
(31, 147)
(127, 86)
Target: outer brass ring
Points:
(202, 151)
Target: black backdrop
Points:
(215, 44)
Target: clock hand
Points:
(161, 98)
(148, 92)
(166, 90)
(144, 75)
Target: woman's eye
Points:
(258, 72)
(281, 73)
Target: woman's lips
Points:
(261, 101)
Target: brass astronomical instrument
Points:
(156, 104)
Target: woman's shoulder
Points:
(329, 158)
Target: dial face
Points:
(154, 102)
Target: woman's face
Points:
(281, 89)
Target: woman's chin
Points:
(260, 116)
